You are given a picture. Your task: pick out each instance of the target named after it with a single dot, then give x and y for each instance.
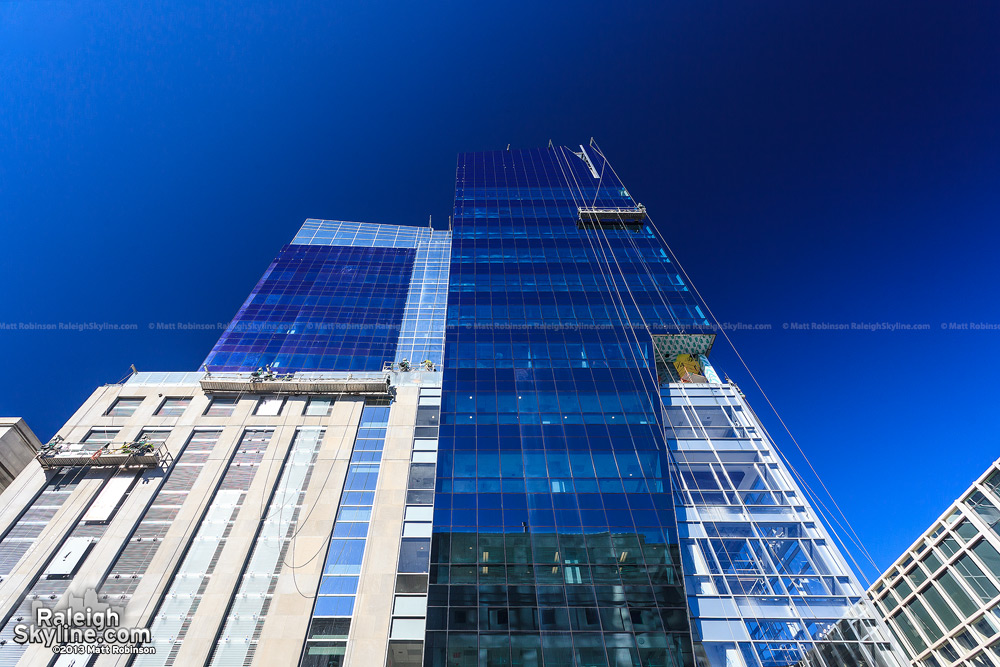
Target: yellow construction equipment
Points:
(687, 363)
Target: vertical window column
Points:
(252, 600)
(22, 535)
(409, 609)
(127, 571)
(181, 601)
(326, 643)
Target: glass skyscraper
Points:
(501, 444)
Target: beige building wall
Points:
(287, 622)
(285, 626)
(18, 445)
(373, 609)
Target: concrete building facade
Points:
(18, 445)
(218, 547)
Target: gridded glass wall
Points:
(53, 582)
(180, 603)
(409, 608)
(251, 602)
(519, 259)
(22, 534)
(18, 540)
(320, 307)
(942, 597)
(359, 234)
(126, 572)
(422, 334)
(765, 584)
(331, 619)
(554, 532)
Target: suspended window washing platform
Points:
(631, 218)
(141, 454)
(266, 381)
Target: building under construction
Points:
(502, 443)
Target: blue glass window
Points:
(320, 307)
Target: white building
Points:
(941, 598)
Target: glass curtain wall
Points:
(554, 531)
(766, 585)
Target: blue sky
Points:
(807, 163)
